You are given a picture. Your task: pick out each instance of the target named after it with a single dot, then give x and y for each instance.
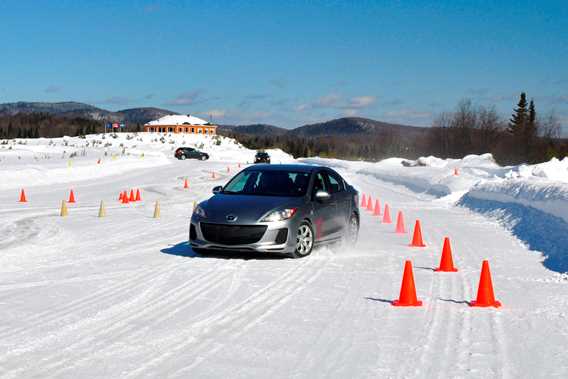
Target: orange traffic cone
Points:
(138, 198)
(364, 201)
(446, 262)
(228, 169)
(377, 210)
(99, 161)
(213, 175)
(120, 196)
(407, 297)
(400, 223)
(417, 236)
(485, 295)
(369, 204)
(185, 184)
(131, 197)
(71, 197)
(456, 172)
(125, 198)
(387, 215)
(23, 196)
(238, 165)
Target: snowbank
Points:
(530, 200)
(44, 161)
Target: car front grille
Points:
(232, 234)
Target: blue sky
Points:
(287, 62)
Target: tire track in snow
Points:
(160, 309)
(116, 315)
(205, 335)
(47, 317)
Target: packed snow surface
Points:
(125, 296)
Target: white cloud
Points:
(335, 101)
(359, 102)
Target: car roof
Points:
(285, 167)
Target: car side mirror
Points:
(322, 196)
(217, 189)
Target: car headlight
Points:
(280, 215)
(199, 211)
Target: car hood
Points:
(247, 208)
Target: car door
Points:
(192, 153)
(323, 211)
(341, 197)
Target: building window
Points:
(193, 130)
(199, 130)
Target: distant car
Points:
(189, 152)
(262, 157)
(286, 209)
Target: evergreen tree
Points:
(519, 119)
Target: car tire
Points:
(203, 157)
(199, 251)
(351, 234)
(182, 157)
(305, 239)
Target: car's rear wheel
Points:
(351, 231)
(304, 240)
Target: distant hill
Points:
(354, 126)
(253, 129)
(71, 109)
(143, 115)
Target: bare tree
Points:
(490, 125)
(549, 126)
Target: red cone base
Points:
(407, 297)
(417, 236)
(23, 197)
(387, 215)
(485, 295)
(446, 262)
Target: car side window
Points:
(319, 182)
(335, 183)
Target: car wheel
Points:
(203, 157)
(351, 231)
(304, 240)
(182, 157)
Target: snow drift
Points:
(530, 200)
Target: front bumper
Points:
(272, 241)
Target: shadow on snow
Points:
(538, 230)
(183, 249)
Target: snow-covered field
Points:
(124, 295)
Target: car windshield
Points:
(261, 154)
(269, 183)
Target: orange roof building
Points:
(180, 124)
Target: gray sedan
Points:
(287, 209)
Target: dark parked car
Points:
(285, 209)
(262, 157)
(189, 152)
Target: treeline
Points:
(368, 147)
(526, 137)
(34, 125)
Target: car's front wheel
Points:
(304, 240)
(182, 157)
(203, 157)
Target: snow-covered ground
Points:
(124, 295)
